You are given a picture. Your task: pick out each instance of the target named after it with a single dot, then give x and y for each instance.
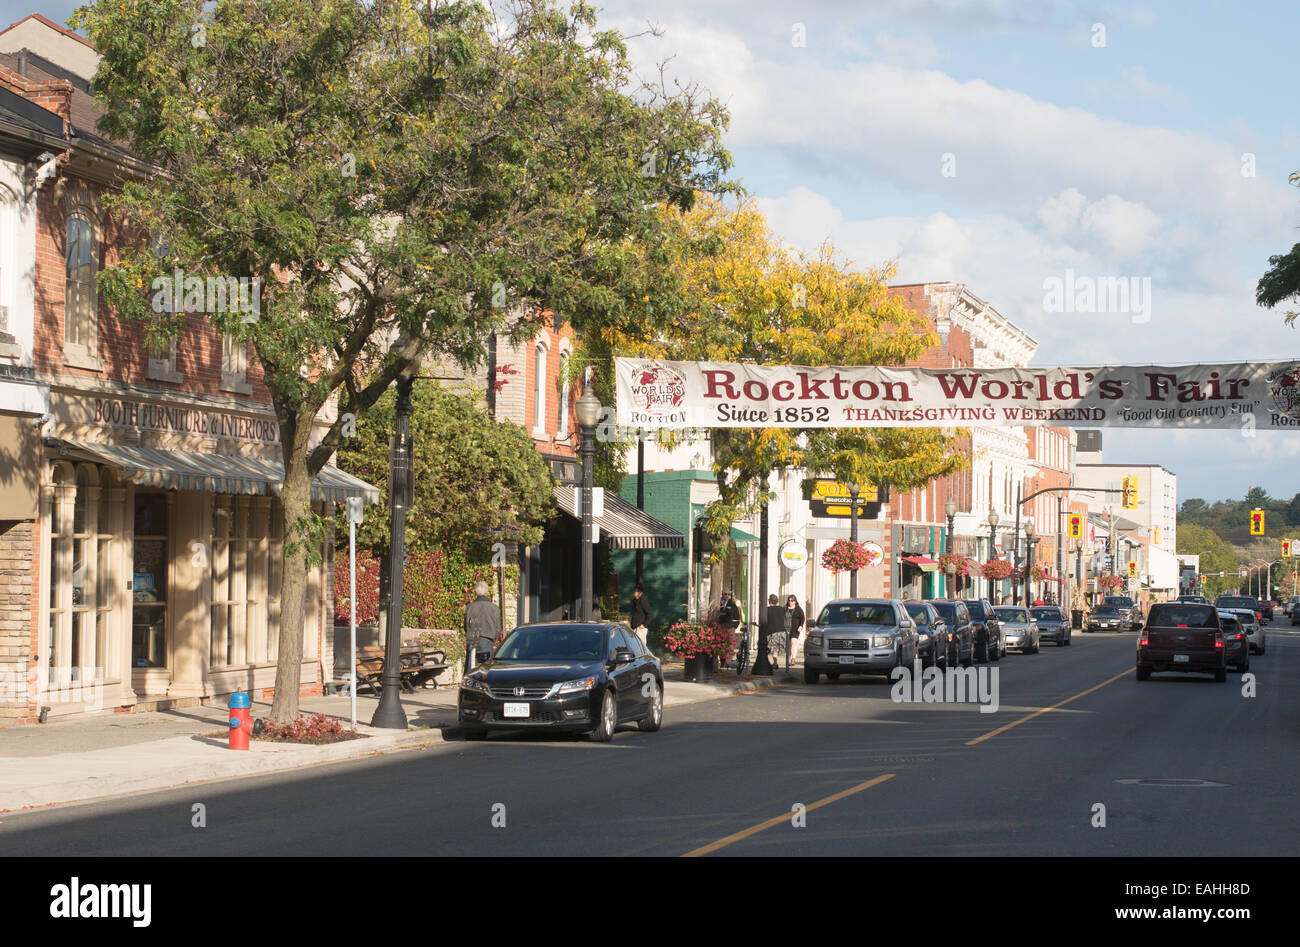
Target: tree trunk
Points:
(295, 506)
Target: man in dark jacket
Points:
(482, 628)
(639, 618)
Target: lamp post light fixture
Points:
(588, 411)
(993, 542)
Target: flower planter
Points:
(699, 668)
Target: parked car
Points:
(1182, 637)
(961, 631)
(1254, 631)
(989, 645)
(859, 636)
(1236, 646)
(1019, 629)
(576, 676)
(933, 639)
(1053, 624)
(1290, 607)
(1107, 618)
(1128, 608)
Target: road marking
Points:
(785, 817)
(1027, 717)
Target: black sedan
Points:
(1053, 624)
(585, 677)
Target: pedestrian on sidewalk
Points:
(640, 616)
(482, 628)
(794, 621)
(776, 635)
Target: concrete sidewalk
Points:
(97, 757)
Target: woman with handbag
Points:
(794, 622)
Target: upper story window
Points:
(8, 234)
(234, 364)
(80, 300)
(539, 390)
(162, 353)
(563, 427)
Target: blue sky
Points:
(1117, 160)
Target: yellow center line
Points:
(1016, 723)
(777, 820)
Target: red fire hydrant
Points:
(241, 724)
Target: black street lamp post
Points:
(950, 510)
(854, 490)
(389, 714)
(993, 543)
(588, 409)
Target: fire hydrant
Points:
(241, 724)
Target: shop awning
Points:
(214, 473)
(623, 524)
(974, 565)
(740, 537)
(922, 562)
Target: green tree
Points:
(1217, 555)
(1282, 281)
(400, 175)
(471, 474)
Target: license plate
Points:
(515, 710)
(1181, 659)
(846, 659)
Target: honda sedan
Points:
(575, 676)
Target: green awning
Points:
(740, 537)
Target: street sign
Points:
(794, 554)
(356, 510)
(597, 502)
(832, 498)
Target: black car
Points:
(1262, 614)
(1107, 618)
(1053, 625)
(1236, 644)
(989, 645)
(576, 676)
(934, 640)
(961, 630)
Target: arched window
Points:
(562, 430)
(539, 390)
(80, 312)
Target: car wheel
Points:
(810, 676)
(1220, 675)
(996, 653)
(654, 720)
(473, 733)
(1143, 673)
(1067, 641)
(604, 731)
(983, 656)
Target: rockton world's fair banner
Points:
(660, 394)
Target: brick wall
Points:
(17, 619)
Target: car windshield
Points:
(1011, 614)
(948, 610)
(1107, 610)
(553, 643)
(1049, 613)
(976, 610)
(856, 613)
(919, 614)
(1188, 616)
(1120, 601)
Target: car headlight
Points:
(815, 640)
(576, 687)
(474, 684)
(882, 641)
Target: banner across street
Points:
(665, 394)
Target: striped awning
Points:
(623, 524)
(213, 473)
(924, 563)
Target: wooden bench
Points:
(418, 665)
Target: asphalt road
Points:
(876, 777)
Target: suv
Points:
(1182, 637)
(1127, 608)
(989, 645)
(961, 631)
(1243, 601)
(859, 636)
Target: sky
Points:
(1005, 143)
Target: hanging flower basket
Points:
(1111, 581)
(996, 570)
(1036, 572)
(688, 639)
(845, 556)
(960, 563)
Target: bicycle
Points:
(742, 646)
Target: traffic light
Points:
(1257, 522)
(1132, 570)
(1204, 578)
(1076, 526)
(1130, 493)
(1286, 549)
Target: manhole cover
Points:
(1157, 781)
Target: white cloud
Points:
(905, 50)
(1125, 226)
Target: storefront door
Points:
(149, 583)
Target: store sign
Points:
(832, 498)
(794, 554)
(657, 394)
(150, 416)
(875, 553)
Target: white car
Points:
(1250, 622)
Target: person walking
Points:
(482, 627)
(773, 637)
(640, 616)
(794, 621)
(729, 617)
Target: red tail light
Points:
(1218, 641)
(1142, 642)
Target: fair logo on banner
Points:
(875, 554)
(794, 555)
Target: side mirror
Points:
(623, 656)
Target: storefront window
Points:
(247, 569)
(149, 583)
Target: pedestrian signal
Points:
(1257, 522)
(1130, 493)
(1076, 526)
